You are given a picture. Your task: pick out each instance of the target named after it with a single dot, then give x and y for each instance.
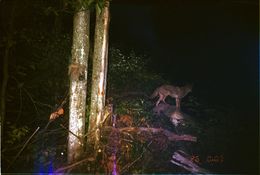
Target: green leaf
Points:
(90, 2)
(99, 9)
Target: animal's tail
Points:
(154, 94)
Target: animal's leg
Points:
(178, 104)
(164, 99)
(161, 98)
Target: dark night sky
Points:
(211, 43)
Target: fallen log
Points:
(171, 136)
(183, 160)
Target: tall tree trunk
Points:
(78, 84)
(8, 29)
(4, 88)
(99, 75)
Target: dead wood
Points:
(183, 160)
(148, 131)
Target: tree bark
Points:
(78, 84)
(170, 135)
(4, 89)
(99, 75)
(9, 29)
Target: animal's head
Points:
(177, 118)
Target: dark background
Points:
(213, 44)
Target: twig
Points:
(138, 158)
(47, 125)
(20, 88)
(65, 100)
(33, 101)
(171, 136)
(69, 131)
(21, 105)
(20, 94)
(18, 154)
(43, 104)
(73, 165)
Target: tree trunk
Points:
(99, 75)
(9, 29)
(78, 84)
(3, 89)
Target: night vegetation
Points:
(37, 45)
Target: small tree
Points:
(99, 75)
(78, 83)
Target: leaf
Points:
(90, 2)
(99, 9)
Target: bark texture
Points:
(4, 88)
(99, 75)
(78, 85)
(9, 30)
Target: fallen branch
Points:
(183, 160)
(70, 131)
(127, 166)
(171, 136)
(89, 159)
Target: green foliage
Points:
(38, 74)
(128, 62)
(127, 72)
(51, 10)
(46, 66)
(130, 84)
(100, 4)
(83, 4)
(137, 107)
(16, 134)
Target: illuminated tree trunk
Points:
(78, 84)
(99, 75)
